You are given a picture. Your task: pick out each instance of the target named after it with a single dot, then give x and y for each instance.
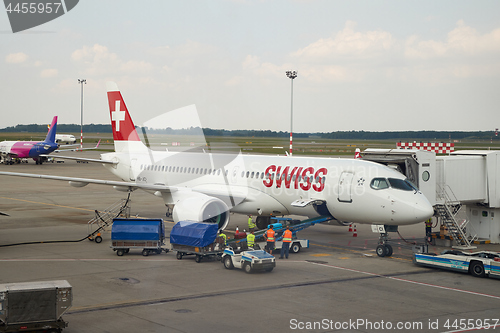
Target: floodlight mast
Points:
(81, 82)
(291, 75)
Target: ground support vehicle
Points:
(249, 261)
(279, 226)
(146, 235)
(478, 264)
(295, 246)
(198, 239)
(34, 306)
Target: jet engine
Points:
(202, 209)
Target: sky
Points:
(362, 65)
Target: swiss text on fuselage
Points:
(296, 177)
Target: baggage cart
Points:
(146, 235)
(34, 306)
(198, 239)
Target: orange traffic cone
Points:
(355, 232)
(350, 227)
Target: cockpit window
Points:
(400, 184)
(379, 183)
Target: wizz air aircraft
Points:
(206, 187)
(11, 151)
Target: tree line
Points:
(338, 135)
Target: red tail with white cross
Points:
(124, 132)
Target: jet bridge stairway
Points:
(448, 212)
(103, 219)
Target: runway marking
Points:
(357, 251)
(48, 204)
(74, 259)
(407, 281)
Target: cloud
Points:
(16, 58)
(461, 41)
(347, 43)
(51, 72)
(98, 60)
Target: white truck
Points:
(249, 261)
(478, 264)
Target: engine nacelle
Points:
(202, 209)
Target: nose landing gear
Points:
(384, 249)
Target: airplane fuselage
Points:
(346, 189)
(26, 149)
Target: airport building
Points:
(463, 187)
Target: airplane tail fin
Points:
(51, 135)
(124, 132)
(357, 153)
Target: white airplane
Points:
(65, 138)
(206, 187)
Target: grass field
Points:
(258, 145)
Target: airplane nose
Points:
(423, 210)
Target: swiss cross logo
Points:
(117, 115)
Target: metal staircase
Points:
(449, 212)
(103, 219)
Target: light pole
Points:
(291, 75)
(81, 82)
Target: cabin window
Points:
(253, 174)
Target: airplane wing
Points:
(228, 192)
(80, 182)
(75, 149)
(93, 160)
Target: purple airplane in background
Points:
(13, 151)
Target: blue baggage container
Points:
(193, 233)
(137, 230)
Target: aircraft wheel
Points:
(477, 269)
(98, 239)
(145, 252)
(388, 249)
(381, 250)
(228, 262)
(247, 267)
(295, 248)
(120, 252)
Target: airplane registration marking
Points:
(117, 115)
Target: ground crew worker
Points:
(251, 225)
(224, 237)
(287, 239)
(269, 235)
(428, 229)
(251, 239)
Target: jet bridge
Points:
(463, 187)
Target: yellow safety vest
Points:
(251, 240)
(225, 238)
(251, 225)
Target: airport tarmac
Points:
(337, 285)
